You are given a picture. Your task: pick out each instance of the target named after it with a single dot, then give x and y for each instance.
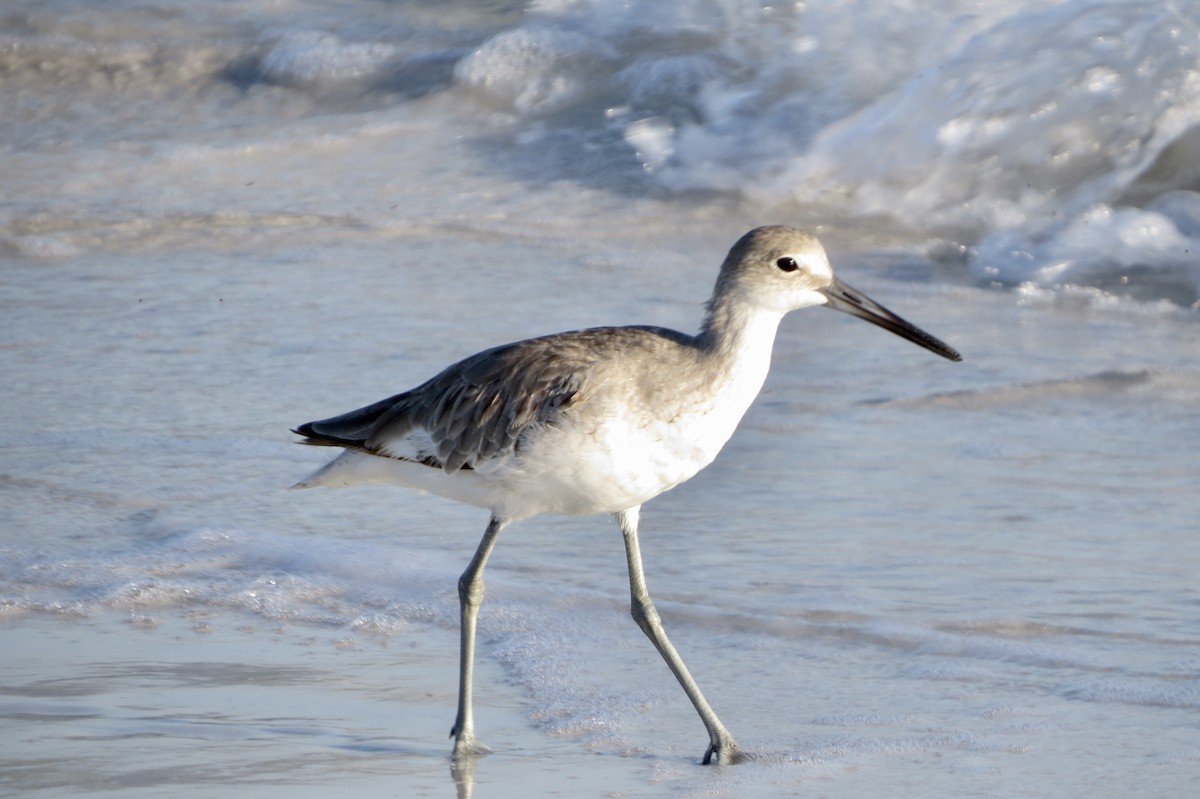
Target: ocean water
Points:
(902, 577)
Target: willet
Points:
(594, 421)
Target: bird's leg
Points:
(470, 597)
(720, 741)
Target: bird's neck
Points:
(739, 338)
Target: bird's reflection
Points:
(462, 771)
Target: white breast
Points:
(631, 455)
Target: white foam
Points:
(1113, 248)
(535, 70)
(309, 57)
(1016, 119)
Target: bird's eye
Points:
(787, 264)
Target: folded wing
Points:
(473, 411)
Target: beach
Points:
(901, 577)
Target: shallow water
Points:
(902, 576)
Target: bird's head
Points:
(780, 269)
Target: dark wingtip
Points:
(316, 439)
(310, 436)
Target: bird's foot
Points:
(466, 745)
(724, 753)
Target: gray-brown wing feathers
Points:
(476, 409)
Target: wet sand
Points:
(204, 707)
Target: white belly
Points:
(624, 462)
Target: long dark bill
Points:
(844, 298)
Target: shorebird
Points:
(594, 421)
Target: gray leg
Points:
(720, 742)
(470, 597)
